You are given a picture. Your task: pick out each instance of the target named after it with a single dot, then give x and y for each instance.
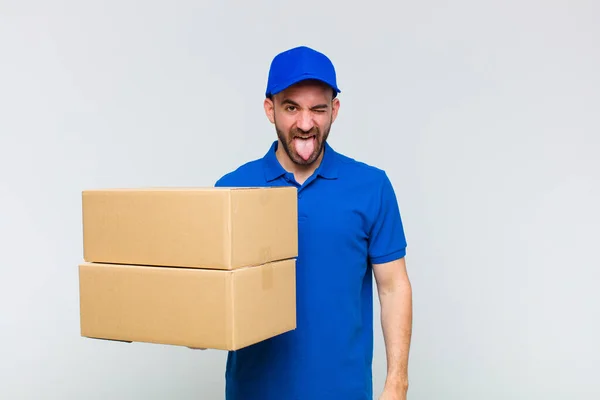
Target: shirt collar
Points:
(327, 169)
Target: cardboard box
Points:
(215, 228)
(203, 308)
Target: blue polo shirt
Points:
(348, 218)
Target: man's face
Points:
(303, 115)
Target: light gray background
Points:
(484, 114)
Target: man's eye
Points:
(291, 108)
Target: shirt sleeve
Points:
(387, 241)
(220, 183)
(224, 181)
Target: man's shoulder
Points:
(360, 170)
(249, 171)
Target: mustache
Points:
(299, 132)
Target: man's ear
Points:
(335, 106)
(270, 109)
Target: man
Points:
(349, 229)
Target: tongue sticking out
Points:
(305, 147)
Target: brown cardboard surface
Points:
(191, 307)
(215, 228)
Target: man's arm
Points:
(395, 296)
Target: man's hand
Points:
(393, 393)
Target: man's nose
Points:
(305, 121)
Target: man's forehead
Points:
(312, 89)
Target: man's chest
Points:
(333, 216)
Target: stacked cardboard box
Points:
(197, 267)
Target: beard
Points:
(287, 142)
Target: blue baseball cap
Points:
(299, 64)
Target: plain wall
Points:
(484, 115)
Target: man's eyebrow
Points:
(288, 101)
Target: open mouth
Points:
(305, 146)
